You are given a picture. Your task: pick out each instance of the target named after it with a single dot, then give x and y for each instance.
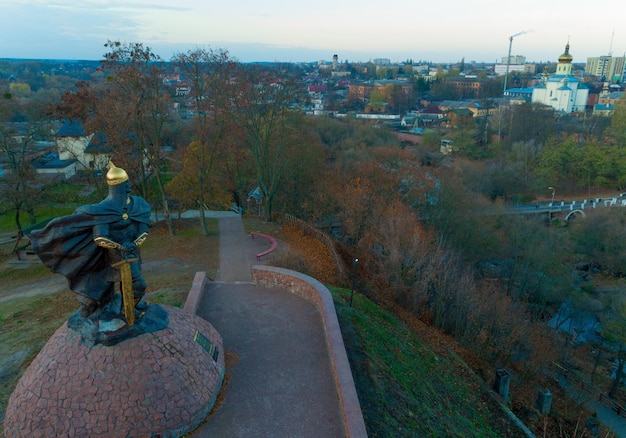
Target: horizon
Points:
(327, 60)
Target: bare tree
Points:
(270, 125)
(211, 74)
(21, 188)
(135, 109)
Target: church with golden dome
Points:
(562, 91)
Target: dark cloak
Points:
(66, 244)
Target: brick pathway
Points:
(280, 380)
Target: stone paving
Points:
(157, 384)
(281, 381)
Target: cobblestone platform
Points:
(157, 384)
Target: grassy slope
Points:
(405, 388)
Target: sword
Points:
(128, 298)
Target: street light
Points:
(356, 261)
(552, 202)
(508, 60)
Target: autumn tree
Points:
(601, 239)
(212, 76)
(529, 121)
(139, 105)
(300, 191)
(270, 126)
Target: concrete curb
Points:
(316, 293)
(195, 293)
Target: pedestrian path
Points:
(236, 250)
(279, 379)
(606, 416)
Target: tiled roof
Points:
(71, 128)
(55, 164)
(603, 107)
(98, 144)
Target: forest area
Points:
(430, 232)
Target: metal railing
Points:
(591, 389)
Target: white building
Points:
(89, 151)
(501, 69)
(562, 90)
(517, 59)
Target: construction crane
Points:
(508, 59)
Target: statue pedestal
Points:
(156, 384)
(106, 327)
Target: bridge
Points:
(569, 209)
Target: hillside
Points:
(412, 380)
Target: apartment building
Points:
(607, 68)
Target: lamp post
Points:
(356, 261)
(552, 202)
(508, 60)
(551, 205)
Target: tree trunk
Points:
(31, 215)
(168, 218)
(205, 228)
(595, 365)
(268, 213)
(17, 218)
(166, 208)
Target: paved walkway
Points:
(279, 377)
(605, 414)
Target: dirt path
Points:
(45, 286)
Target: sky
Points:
(307, 31)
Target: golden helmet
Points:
(116, 175)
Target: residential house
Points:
(98, 152)
(51, 165)
(459, 117)
(362, 91)
(89, 151)
(610, 98)
(526, 94)
(606, 103)
(431, 116)
(72, 141)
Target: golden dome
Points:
(566, 57)
(116, 175)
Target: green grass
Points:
(64, 192)
(16, 275)
(7, 220)
(406, 389)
